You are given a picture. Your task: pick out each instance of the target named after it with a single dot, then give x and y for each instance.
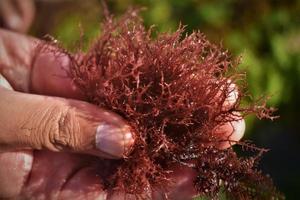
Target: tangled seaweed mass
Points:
(171, 89)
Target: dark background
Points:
(265, 33)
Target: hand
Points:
(49, 145)
(17, 15)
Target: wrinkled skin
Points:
(40, 172)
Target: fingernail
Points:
(116, 141)
(239, 128)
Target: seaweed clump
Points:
(172, 90)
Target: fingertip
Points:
(232, 95)
(239, 127)
(230, 133)
(109, 135)
(116, 141)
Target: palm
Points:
(64, 174)
(73, 176)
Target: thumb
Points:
(58, 124)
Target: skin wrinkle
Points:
(27, 126)
(52, 130)
(67, 135)
(20, 127)
(44, 126)
(47, 128)
(41, 116)
(67, 128)
(57, 124)
(75, 130)
(61, 138)
(89, 122)
(61, 124)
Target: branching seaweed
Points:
(171, 90)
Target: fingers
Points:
(234, 130)
(48, 74)
(183, 177)
(57, 124)
(17, 15)
(49, 77)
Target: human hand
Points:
(17, 15)
(65, 162)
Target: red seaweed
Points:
(171, 89)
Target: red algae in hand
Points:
(171, 89)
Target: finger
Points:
(16, 56)
(30, 70)
(52, 85)
(234, 130)
(17, 15)
(232, 95)
(15, 166)
(230, 132)
(27, 12)
(10, 16)
(56, 81)
(57, 124)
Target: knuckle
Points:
(62, 128)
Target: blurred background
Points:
(265, 33)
